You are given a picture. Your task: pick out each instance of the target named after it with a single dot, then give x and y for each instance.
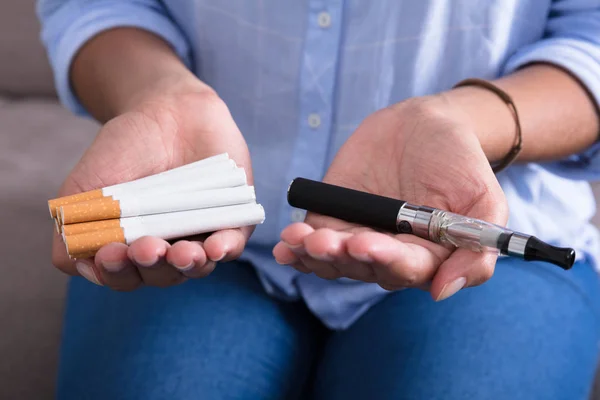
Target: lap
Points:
(217, 338)
(529, 332)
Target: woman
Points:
(361, 94)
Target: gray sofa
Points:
(39, 143)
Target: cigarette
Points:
(174, 175)
(58, 219)
(57, 225)
(210, 163)
(90, 242)
(74, 198)
(85, 227)
(184, 195)
(133, 206)
(86, 211)
(168, 226)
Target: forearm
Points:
(558, 117)
(119, 68)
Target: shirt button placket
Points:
(316, 95)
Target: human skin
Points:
(434, 150)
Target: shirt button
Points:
(324, 19)
(314, 121)
(298, 216)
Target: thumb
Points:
(465, 267)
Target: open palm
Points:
(158, 135)
(421, 151)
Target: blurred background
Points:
(39, 143)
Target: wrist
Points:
(169, 86)
(488, 116)
(121, 68)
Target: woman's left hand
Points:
(424, 151)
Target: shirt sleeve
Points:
(68, 24)
(572, 42)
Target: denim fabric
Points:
(531, 332)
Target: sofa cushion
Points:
(24, 67)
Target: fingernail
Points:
(451, 288)
(322, 257)
(116, 266)
(147, 264)
(222, 256)
(209, 264)
(287, 264)
(297, 249)
(87, 272)
(364, 257)
(185, 268)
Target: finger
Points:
(116, 269)
(60, 258)
(463, 269)
(189, 259)
(285, 256)
(397, 263)
(294, 234)
(330, 246)
(322, 221)
(201, 271)
(466, 268)
(327, 245)
(88, 269)
(82, 267)
(293, 237)
(321, 265)
(307, 264)
(148, 254)
(225, 245)
(323, 269)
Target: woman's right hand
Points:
(164, 130)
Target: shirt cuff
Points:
(78, 24)
(582, 60)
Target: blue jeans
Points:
(531, 332)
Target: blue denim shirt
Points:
(299, 76)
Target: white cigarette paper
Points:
(132, 206)
(167, 226)
(206, 166)
(193, 222)
(168, 177)
(227, 179)
(158, 199)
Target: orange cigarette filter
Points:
(87, 211)
(85, 227)
(54, 204)
(93, 241)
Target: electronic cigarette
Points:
(439, 226)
